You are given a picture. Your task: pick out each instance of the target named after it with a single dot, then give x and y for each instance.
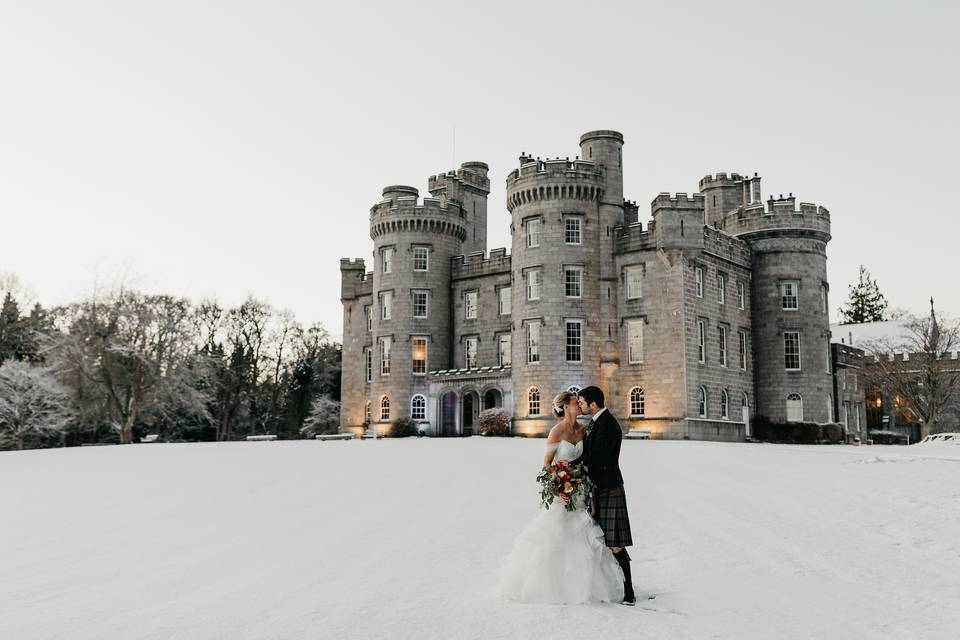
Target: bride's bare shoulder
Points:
(556, 433)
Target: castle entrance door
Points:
(448, 414)
(470, 406)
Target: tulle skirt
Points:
(560, 558)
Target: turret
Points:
(678, 221)
(468, 186)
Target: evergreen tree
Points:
(866, 303)
(11, 328)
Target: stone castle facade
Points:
(712, 311)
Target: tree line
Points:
(114, 368)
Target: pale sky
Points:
(226, 149)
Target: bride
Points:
(561, 556)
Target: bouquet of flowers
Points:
(569, 483)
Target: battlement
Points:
(726, 246)
(471, 175)
(680, 201)
(781, 213)
(352, 264)
(478, 263)
(555, 168)
(719, 179)
(632, 237)
(411, 205)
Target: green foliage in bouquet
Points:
(566, 482)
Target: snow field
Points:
(402, 539)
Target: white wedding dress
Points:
(560, 557)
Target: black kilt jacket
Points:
(601, 452)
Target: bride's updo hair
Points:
(560, 402)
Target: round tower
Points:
(791, 326)
(410, 330)
(556, 294)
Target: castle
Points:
(712, 311)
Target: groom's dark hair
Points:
(592, 394)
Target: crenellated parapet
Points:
(403, 213)
(632, 237)
(730, 248)
(355, 281)
(559, 179)
(479, 264)
(778, 216)
(470, 177)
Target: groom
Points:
(601, 456)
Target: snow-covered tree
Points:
(865, 302)
(324, 417)
(928, 379)
(33, 404)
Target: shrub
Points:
(494, 422)
(888, 437)
(403, 428)
(796, 432)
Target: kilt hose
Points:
(610, 512)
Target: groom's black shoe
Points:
(623, 559)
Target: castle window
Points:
(385, 408)
(823, 298)
(574, 340)
(533, 284)
(791, 350)
(741, 297)
(470, 305)
(419, 355)
(722, 288)
(368, 364)
(419, 303)
(638, 407)
(504, 345)
(702, 404)
(366, 413)
(386, 344)
(723, 346)
(386, 305)
(724, 404)
(742, 335)
(421, 258)
(827, 345)
(503, 300)
(698, 274)
(386, 260)
(573, 281)
(572, 226)
(533, 402)
(701, 341)
(368, 313)
(789, 299)
(418, 407)
(634, 282)
(635, 341)
(794, 408)
(470, 352)
(532, 229)
(533, 342)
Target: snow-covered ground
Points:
(402, 538)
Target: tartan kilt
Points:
(610, 512)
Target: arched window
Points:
(366, 412)
(533, 402)
(702, 408)
(744, 400)
(638, 407)
(794, 408)
(573, 389)
(418, 407)
(724, 404)
(385, 408)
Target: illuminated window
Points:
(533, 402)
(419, 354)
(385, 408)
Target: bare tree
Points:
(32, 404)
(918, 367)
